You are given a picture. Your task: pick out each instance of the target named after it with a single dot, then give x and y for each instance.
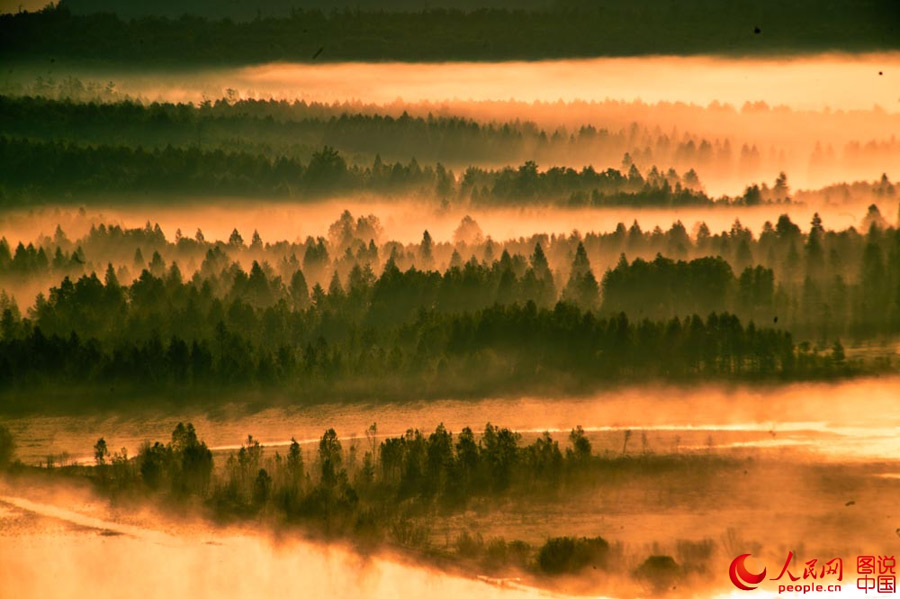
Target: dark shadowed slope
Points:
(615, 29)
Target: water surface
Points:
(847, 421)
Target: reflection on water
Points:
(823, 420)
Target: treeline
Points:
(296, 129)
(400, 331)
(496, 350)
(392, 490)
(821, 285)
(40, 169)
(96, 114)
(280, 8)
(293, 133)
(619, 29)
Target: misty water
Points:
(68, 550)
(769, 428)
(818, 421)
(62, 534)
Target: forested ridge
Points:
(41, 171)
(350, 313)
(80, 114)
(353, 312)
(581, 30)
(296, 129)
(782, 272)
(653, 245)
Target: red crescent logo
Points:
(741, 577)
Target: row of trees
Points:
(820, 285)
(360, 240)
(388, 489)
(41, 168)
(296, 129)
(326, 349)
(598, 133)
(396, 489)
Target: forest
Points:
(573, 30)
(349, 312)
(75, 112)
(41, 171)
(97, 113)
(442, 298)
(352, 313)
(74, 143)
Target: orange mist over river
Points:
(821, 421)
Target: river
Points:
(856, 420)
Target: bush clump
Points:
(568, 555)
(661, 571)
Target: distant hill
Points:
(242, 10)
(294, 30)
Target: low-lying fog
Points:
(836, 81)
(823, 119)
(62, 542)
(822, 421)
(405, 220)
(52, 551)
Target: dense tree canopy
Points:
(347, 312)
(576, 29)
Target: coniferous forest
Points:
(564, 30)
(350, 312)
(385, 299)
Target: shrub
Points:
(567, 555)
